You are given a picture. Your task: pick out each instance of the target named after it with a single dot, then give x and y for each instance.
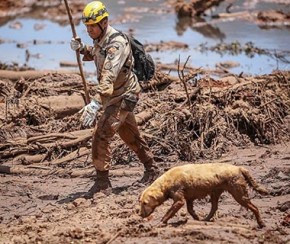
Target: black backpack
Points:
(144, 66)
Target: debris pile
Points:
(187, 118)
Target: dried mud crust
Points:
(46, 171)
(40, 120)
(45, 168)
(52, 209)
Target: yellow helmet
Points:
(94, 12)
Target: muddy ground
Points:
(45, 168)
(46, 171)
(50, 209)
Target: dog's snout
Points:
(141, 211)
(145, 211)
(143, 214)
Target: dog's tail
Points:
(250, 180)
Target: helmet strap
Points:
(102, 29)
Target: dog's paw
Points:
(261, 224)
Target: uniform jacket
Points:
(114, 63)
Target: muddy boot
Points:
(102, 184)
(151, 173)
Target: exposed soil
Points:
(46, 171)
(49, 209)
(45, 168)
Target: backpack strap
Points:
(126, 65)
(120, 33)
(111, 37)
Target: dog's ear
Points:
(150, 199)
(140, 197)
(156, 194)
(144, 199)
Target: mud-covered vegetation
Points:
(202, 121)
(186, 115)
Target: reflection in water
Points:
(36, 40)
(205, 29)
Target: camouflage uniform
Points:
(114, 62)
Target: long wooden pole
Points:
(87, 97)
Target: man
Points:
(118, 92)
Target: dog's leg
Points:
(214, 198)
(189, 204)
(240, 194)
(255, 210)
(179, 201)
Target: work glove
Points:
(89, 113)
(76, 44)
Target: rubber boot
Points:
(151, 173)
(102, 184)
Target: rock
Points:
(81, 202)
(284, 206)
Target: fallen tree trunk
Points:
(30, 74)
(74, 172)
(68, 64)
(72, 156)
(144, 116)
(36, 170)
(26, 149)
(19, 169)
(72, 104)
(242, 14)
(27, 159)
(31, 145)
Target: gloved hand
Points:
(89, 113)
(76, 44)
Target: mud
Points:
(198, 115)
(50, 209)
(46, 170)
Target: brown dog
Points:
(186, 183)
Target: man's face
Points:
(94, 31)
